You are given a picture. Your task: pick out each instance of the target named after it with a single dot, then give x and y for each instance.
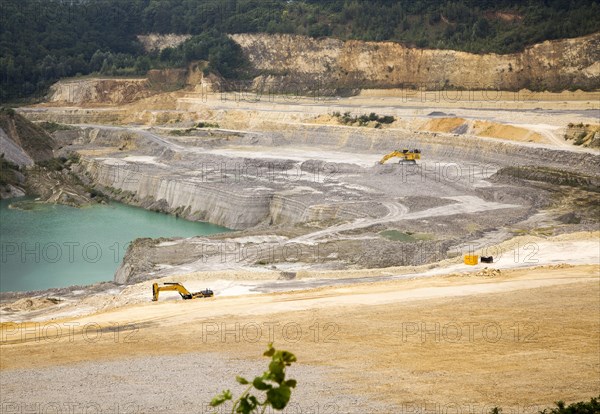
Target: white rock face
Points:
(13, 152)
(235, 208)
(10, 191)
(287, 210)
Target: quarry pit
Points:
(324, 236)
(306, 195)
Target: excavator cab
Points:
(178, 287)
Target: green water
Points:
(57, 246)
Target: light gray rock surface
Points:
(167, 384)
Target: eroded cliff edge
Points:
(551, 65)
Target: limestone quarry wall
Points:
(218, 204)
(235, 208)
(238, 206)
(552, 65)
(285, 209)
(103, 91)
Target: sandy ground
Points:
(520, 340)
(444, 337)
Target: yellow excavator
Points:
(178, 287)
(406, 156)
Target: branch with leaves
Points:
(272, 382)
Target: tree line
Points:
(42, 41)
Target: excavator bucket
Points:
(155, 292)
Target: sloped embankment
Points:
(22, 144)
(551, 176)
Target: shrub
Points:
(207, 125)
(53, 164)
(52, 127)
(363, 120)
(272, 382)
(582, 407)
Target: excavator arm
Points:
(390, 155)
(178, 287)
(405, 155)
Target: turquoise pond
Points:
(47, 246)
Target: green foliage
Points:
(272, 383)
(363, 120)
(207, 125)
(224, 56)
(582, 407)
(51, 127)
(190, 131)
(43, 41)
(8, 172)
(73, 158)
(59, 163)
(580, 138)
(9, 112)
(53, 164)
(94, 193)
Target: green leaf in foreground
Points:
(221, 398)
(279, 397)
(272, 382)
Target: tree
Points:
(481, 28)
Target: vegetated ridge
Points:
(41, 42)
